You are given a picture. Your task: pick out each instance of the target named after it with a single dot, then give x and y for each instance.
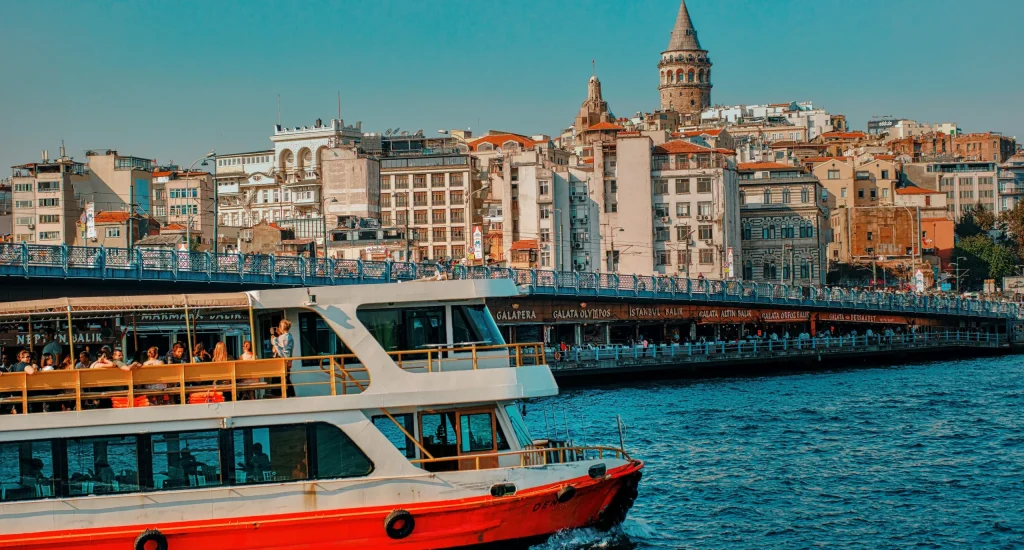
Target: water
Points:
(924, 455)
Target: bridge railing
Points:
(33, 260)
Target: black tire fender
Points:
(399, 524)
(565, 494)
(151, 535)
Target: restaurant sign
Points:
(516, 312)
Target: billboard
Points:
(90, 221)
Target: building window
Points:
(743, 197)
(873, 194)
(787, 230)
(682, 186)
(49, 186)
(437, 180)
(683, 258)
(385, 200)
(805, 270)
(439, 234)
(703, 185)
(860, 193)
(804, 194)
(769, 272)
(707, 256)
(437, 198)
(885, 193)
(49, 218)
(885, 174)
(704, 232)
(458, 251)
(402, 181)
(544, 188)
(833, 174)
(22, 187)
(661, 210)
(842, 192)
(806, 230)
(748, 270)
(440, 252)
(660, 187)
(385, 182)
(458, 215)
(768, 231)
(49, 202)
(785, 196)
(419, 181)
(49, 235)
(682, 233)
(402, 200)
(869, 236)
(458, 233)
(767, 196)
(419, 198)
(113, 232)
(746, 231)
(683, 209)
(545, 212)
(661, 258)
(419, 217)
(385, 219)
(455, 180)
(661, 234)
(439, 216)
(704, 209)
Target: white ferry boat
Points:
(408, 434)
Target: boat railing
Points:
(469, 357)
(533, 456)
(51, 391)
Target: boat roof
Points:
(384, 293)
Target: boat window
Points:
(394, 435)
(405, 329)
(336, 455)
(317, 338)
(276, 453)
(26, 470)
(474, 325)
(519, 428)
(477, 432)
(439, 438)
(184, 459)
(102, 465)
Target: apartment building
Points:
(939, 146)
(966, 184)
(117, 229)
(847, 181)
(247, 191)
(188, 200)
(784, 215)
(666, 209)
(1011, 182)
(431, 197)
(45, 208)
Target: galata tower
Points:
(685, 70)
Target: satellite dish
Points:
(395, 131)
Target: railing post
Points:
(272, 267)
(359, 270)
(689, 350)
(209, 265)
(241, 265)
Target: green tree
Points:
(1013, 222)
(985, 218)
(967, 226)
(983, 259)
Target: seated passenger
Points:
(25, 363)
(199, 354)
(220, 353)
(247, 354)
(176, 355)
(84, 361)
(152, 357)
(103, 360)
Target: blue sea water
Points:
(924, 455)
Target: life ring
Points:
(558, 356)
(399, 524)
(151, 535)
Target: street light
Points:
(188, 224)
(957, 264)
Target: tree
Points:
(967, 226)
(1013, 221)
(984, 259)
(985, 218)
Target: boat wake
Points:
(619, 538)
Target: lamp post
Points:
(323, 216)
(957, 264)
(188, 223)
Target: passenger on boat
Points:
(5, 363)
(247, 354)
(46, 362)
(258, 462)
(284, 342)
(84, 361)
(116, 360)
(176, 355)
(103, 360)
(68, 363)
(199, 353)
(220, 353)
(53, 347)
(152, 357)
(25, 363)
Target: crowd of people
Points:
(52, 358)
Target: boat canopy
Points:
(124, 304)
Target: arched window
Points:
(679, 75)
(689, 76)
(785, 272)
(700, 75)
(805, 269)
(768, 231)
(767, 196)
(743, 197)
(748, 270)
(746, 231)
(769, 271)
(804, 194)
(785, 196)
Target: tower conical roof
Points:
(684, 36)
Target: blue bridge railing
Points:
(70, 262)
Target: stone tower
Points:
(594, 109)
(685, 70)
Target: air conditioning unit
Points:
(700, 218)
(709, 242)
(579, 267)
(31, 226)
(680, 267)
(584, 220)
(577, 245)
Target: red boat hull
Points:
(529, 514)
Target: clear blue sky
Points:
(172, 79)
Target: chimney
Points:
(46, 156)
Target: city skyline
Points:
(138, 86)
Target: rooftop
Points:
(680, 146)
(604, 126)
(915, 190)
(751, 166)
(500, 139)
(525, 244)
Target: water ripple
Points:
(925, 455)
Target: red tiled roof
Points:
(498, 140)
(588, 160)
(936, 220)
(679, 146)
(704, 132)
(111, 217)
(174, 227)
(604, 126)
(914, 190)
(525, 244)
(844, 135)
(765, 166)
(884, 157)
(157, 174)
(825, 159)
(726, 151)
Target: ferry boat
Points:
(409, 433)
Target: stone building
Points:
(939, 146)
(187, 198)
(594, 122)
(247, 192)
(685, 71)
(784, 224)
